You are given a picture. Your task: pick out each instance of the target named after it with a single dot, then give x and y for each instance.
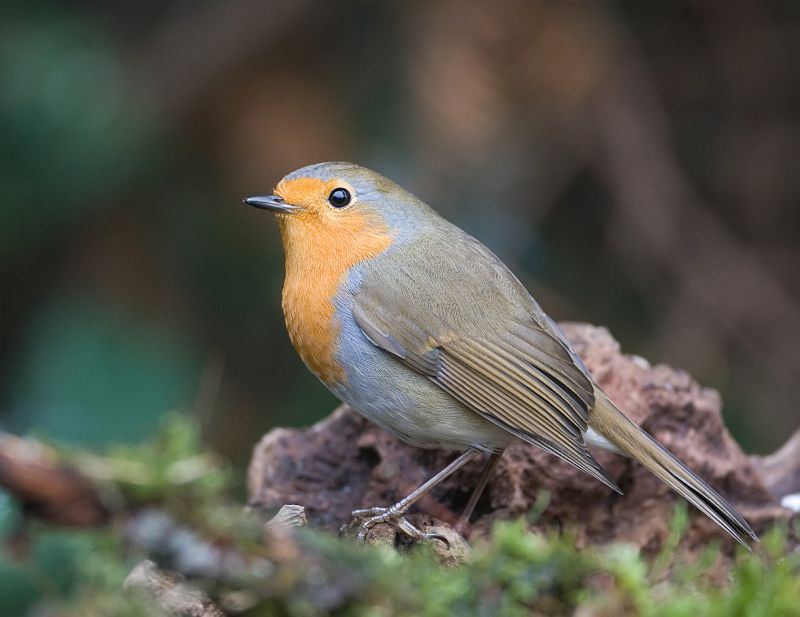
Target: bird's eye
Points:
(339, 198)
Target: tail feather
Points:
(610, 422)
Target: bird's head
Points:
(341, 206)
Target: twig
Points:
(46, 487)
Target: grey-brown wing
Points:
(503, 363)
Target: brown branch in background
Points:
(670, 224)
(667, 228)
(46, 487)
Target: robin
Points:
(420, 328)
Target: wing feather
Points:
(505, 381)
(534, 423)
(496, 373)
(536, 383)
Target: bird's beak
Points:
(271, 202)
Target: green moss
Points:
(517, 573)
(513, 572)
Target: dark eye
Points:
(339, 198)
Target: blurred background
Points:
(637, 164)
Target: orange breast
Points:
(320, 251)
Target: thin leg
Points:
(445, 473)
(486, 473)
(394, 514)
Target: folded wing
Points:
(513, 370)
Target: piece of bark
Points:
(449, 546)
(288, 518)
(345, 462)
(46, 487)
(169, 592)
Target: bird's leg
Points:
(394, 514)
(486, 473)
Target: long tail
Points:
(610, 422)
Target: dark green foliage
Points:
(84, 359)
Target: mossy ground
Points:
(68, 573)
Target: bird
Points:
(419, 327)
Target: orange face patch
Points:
(309, 193)
(322, 244)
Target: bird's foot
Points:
(394, 516)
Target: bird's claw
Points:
(370, 517)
